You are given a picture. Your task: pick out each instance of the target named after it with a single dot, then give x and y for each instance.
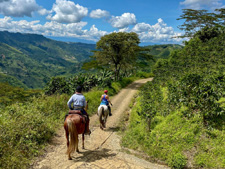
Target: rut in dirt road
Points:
(102, 148)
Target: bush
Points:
(25, 127)
(177, 160)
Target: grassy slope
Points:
(176, 140)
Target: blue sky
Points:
(87, 20)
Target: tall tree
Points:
(195, 20)
(116, 51)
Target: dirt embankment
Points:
(102, 148)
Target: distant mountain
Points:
(158, 52)
(32, 59)
(163, 51)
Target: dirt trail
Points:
(102, 148)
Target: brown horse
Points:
(74, 125)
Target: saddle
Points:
(83, 117)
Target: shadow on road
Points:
(112, 129)
(135, 86)
(94, 155)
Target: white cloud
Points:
(98, 13)
(52, 29)
(123, 30)
(43, 11)
(94, 34)
(64, 11)
(158, 33)
(199, 4)
(141, 27)
(18, 8)
(123, 21)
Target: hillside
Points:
(30, 60)
(163, 51)
(33, 59)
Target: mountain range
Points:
(31, 60)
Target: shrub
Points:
(177, 160)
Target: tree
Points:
(116, 51)
(195, 20)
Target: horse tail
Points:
(73, 136)
(101, 113)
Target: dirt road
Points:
(102, 148)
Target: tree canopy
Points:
(196, 20)
(117, 51)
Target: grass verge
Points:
(176, 140)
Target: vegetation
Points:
(26, 127)
(118, 51)
(196, 20)
(33, 59)
(10, 94)
(30, 61)
(29, 119)
(179, 116)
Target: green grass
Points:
(176, 140)
(26, 126)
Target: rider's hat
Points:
(105, 91)
(79, 89)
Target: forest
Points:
(177, 119)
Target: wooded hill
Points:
(30, 60)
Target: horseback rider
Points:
(79, 103)
(105, 101)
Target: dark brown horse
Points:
(74, 125)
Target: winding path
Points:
(102, 148)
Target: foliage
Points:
(104, 79)
(12, 81)
(33, 59)
(118, 51)
(150, 102)
(25, 127)
(200, 94)
(87, 81)
(10, 94)
(177, 160)
(196, 20)
(176, 140)
(185, 101)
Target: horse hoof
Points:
(69, 158)
(77, 151)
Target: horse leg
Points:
(101, 114)
(104, 121)
(68, 143)
(83, 140)
(77, 149)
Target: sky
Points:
(155, 21)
